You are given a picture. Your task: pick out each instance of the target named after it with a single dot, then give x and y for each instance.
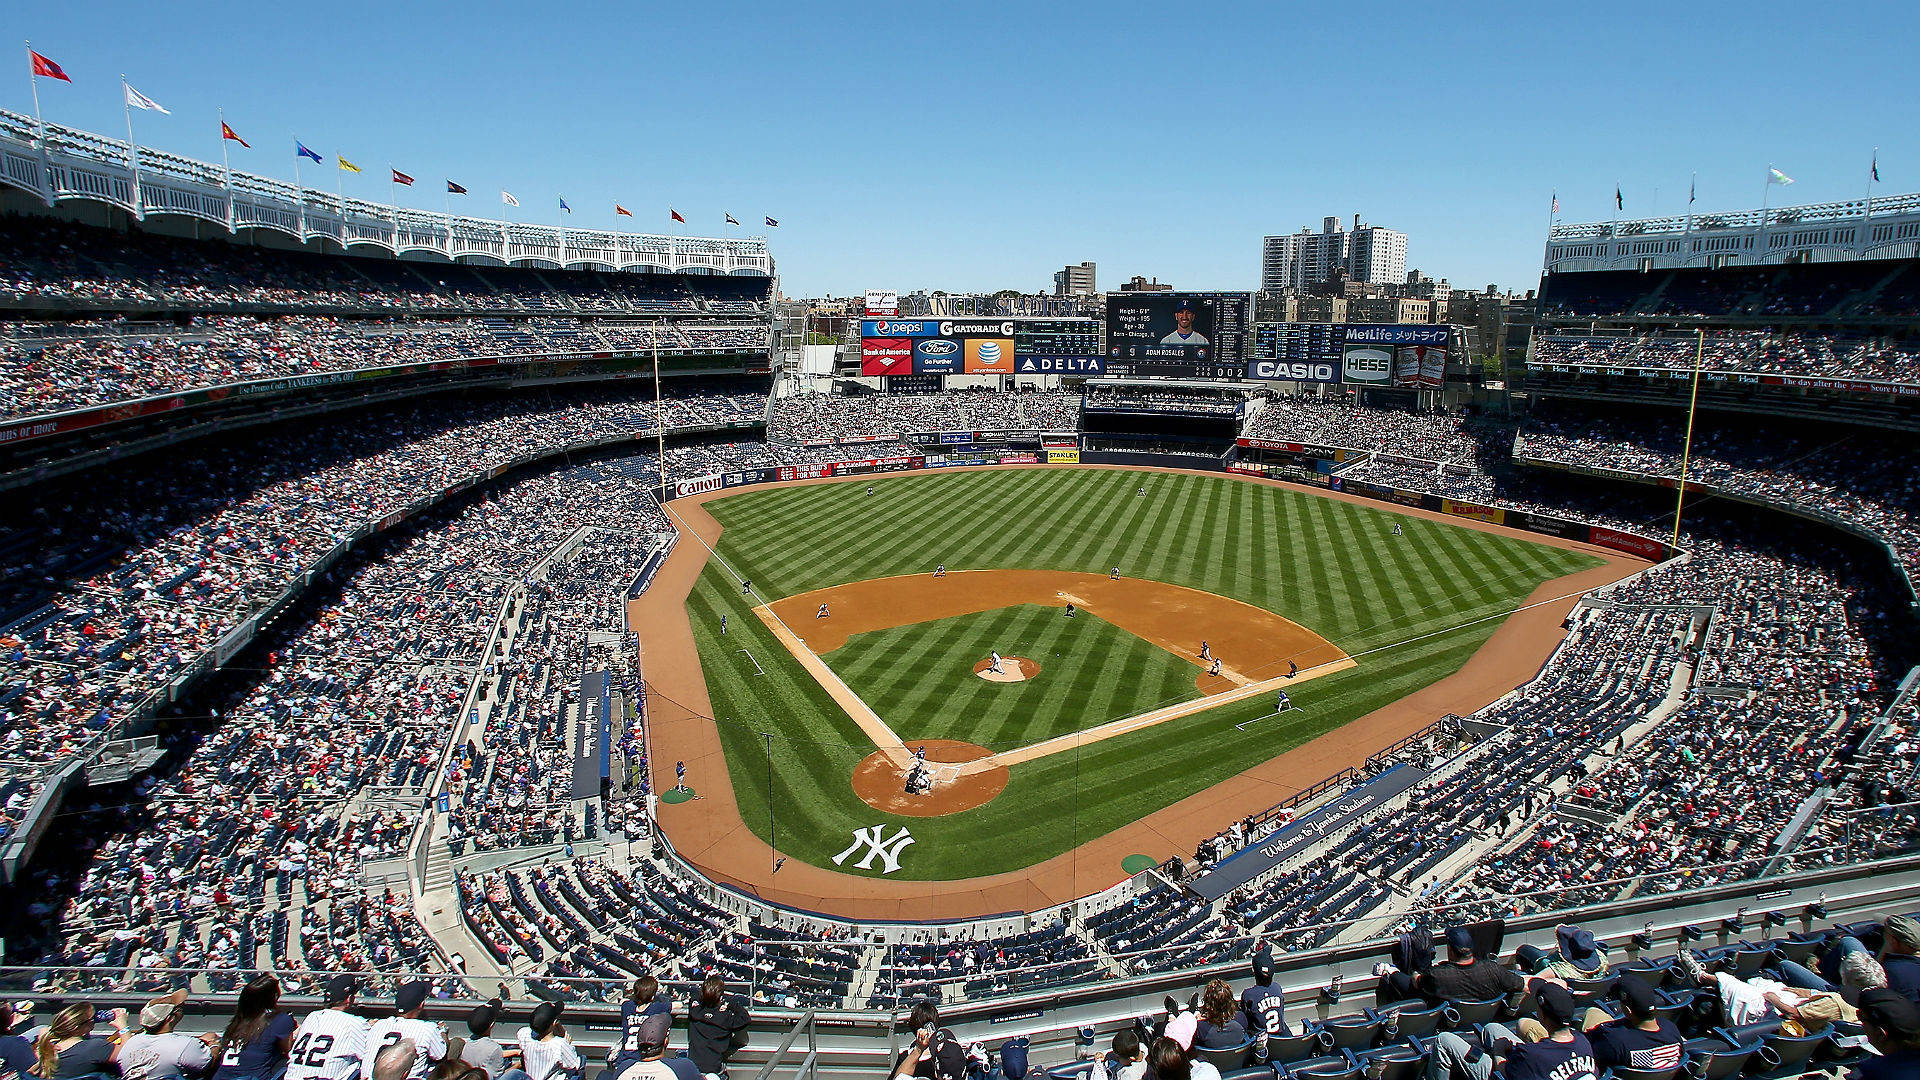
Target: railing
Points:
(808, 1064)
(58, 163)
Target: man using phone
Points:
(934, 1054)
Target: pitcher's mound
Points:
(1012, 669)
(883, 786)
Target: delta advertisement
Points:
(936, 347)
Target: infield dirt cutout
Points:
(1254, 648)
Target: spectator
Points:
(331, 1042)
(649, 1040)
(482, 1050)
(69, 1049)
(394, 1061)
(1642, 1039)
(429, 1042)
(257, 1041)
(716, 1028)
(1264, 1005)
(1892, 1023)
(157, 1052)
(545, 1051)
(934, 1054)
(1128, 1060)
(1220, 1027)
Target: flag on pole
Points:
(1691, 184)
(507, 198)
(227, 133)
(300, 150)
(731, 220)
(1775, 176)
(564, 208)
(141, 101)
(676, 215)
(1556, 203)
(773, 223)
(1618, 202)
(348, 166)
(401, 178)
(47, 69)
(621, 210)
(455, 189)
(1876, 166)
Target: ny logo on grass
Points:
(887, 850)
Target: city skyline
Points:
(1162, 174)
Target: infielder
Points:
(1292, 669)
(1069, 611)
(940, 571)
(822, 613)
(1114, 574)
(1282, 703)
(1214, 668)
(1206, 652)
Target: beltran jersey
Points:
(428, 1044)
(328, 1046)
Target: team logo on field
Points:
(888, 851)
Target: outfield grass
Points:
(920, 678)
(1332, 566)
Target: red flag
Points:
(676, 215)
(401, 178)
(621, 210)
(227, 133)
(46, 68)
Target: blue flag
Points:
(564, 206)
(773, 223)
(300, 150)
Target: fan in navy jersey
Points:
(259, 1038)
(643, 1000)
(1263, 1003)
(1641, 1041)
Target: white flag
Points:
(1775, 176)
(141, 101)
(507, 197)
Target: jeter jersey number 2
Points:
(328, 1046)
(429, 1045)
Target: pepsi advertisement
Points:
(936, 346)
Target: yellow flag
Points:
(348, 165)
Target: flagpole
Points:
(33, 80)
(299, 193)
(340, 191)
(1686, 446)
(133, 150)
(226, 168)
(1766, 191)
(1866, 225)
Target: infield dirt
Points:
(709, 833)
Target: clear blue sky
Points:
(981, 146)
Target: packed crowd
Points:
(1763, 352)
(108, 593)
(807, 418)
(51, 263)
(1337, 422)
(1853, 475)
(55, 367)
(1878, 288)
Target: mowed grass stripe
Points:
(1185, 532)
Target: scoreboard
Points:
(1189, 335)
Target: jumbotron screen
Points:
(1192, 335)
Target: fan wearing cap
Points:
(1580, 956)
(1900, 944)
(429, 1042)
(934, 1054)
(1892, 1023)
(483, 1051)
(156, 1051)
(545, 1051)
(1184, 312)
(331, 1042)
(648, 1036)
(644, 999)
(1463, 976)
(1263, 1003)
(1641, 1040)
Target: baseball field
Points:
(1105, 716)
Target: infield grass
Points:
(1426, 600)
(920, 678)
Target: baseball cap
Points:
(1577, 947)
(545, 1015)
(341, 987)
(483, 1016)
(1460, 939)
(1181, 1029)
(1183, 305)
(1263, 964)
(1013, 1058)
(1904, 929)
(1638, 995)
(155, 1012)
(1890, 1011)
(653, 1030)
(410, 996)
(1556, 1005)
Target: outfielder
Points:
(1396, 528)
(723, 624)
(1069, 611)
(1114, 573)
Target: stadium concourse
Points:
(1743, 711)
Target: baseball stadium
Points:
(421, 628)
